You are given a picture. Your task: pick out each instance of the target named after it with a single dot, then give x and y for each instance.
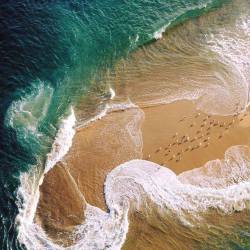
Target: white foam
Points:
(132, 182)
(137, 38)
(112, 93)
(109, 107)
(25, 114)
(28, 192)
(63, 141)
(235, 168)
(128, 185)
(103, 230)
(120, 106)
(231, 43)
(159, 33)
(138, 178)
(220, 43)
(99, 230)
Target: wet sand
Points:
(61, 205)
(96, 150)
(150, 229)
(175, 135)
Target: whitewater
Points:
(134, 184)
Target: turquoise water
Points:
(51, 54)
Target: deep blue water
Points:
(50, 53)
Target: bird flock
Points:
(203, 128)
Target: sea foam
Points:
(63, 141)
(138, 178)
(131, 184)
(158, 34)
(25, 114)
(231, 44)
(108, 108)
(28, 192)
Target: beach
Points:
(125, 125)
(163, 160)
(176, 136)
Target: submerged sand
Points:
(174, 135)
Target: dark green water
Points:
(51, 53)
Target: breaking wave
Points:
(134, 183)
(28, 192)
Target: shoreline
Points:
(149, 168)
(129, 134)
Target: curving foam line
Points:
(138, 178)
(129, 184)
(112, 93)
(28, 192)
(159, 33)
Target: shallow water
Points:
(202, 60)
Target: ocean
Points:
(62, 61)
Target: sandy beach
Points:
(180, 137)
(125, 125)
(174, 135)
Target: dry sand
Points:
(175, 135)
(181, 138)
